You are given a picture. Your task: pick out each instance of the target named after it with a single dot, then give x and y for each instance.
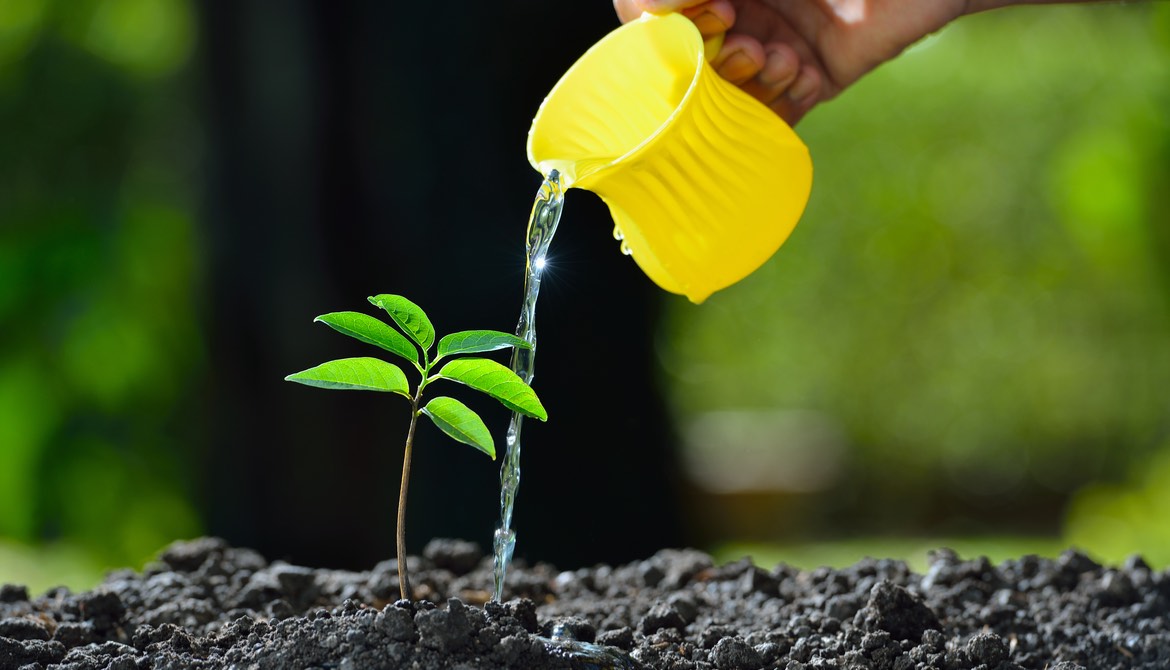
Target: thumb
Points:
(628, 10)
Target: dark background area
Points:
(368, 147)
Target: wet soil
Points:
(205, 604)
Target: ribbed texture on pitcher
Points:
(704, 181)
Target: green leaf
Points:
(477, 341)
(355, 374)
(499, 382)
(371, 331)
(409, 317)
(460, 423)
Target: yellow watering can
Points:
(703, 181)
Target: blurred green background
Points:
(966, 340)
(98, 284)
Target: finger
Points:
(807, 85)
(804, 93)
(627, 10)
(664, 6)
(740, 59)
(712, 17)
(781, 67)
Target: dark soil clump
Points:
(208, 605)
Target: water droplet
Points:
(626, 248)
(618, 234)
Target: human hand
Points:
(793, 54)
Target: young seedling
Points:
(451, 416)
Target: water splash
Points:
(542, 225)
(588, 656)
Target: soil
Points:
(205, 604)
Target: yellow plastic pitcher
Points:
(704, 181)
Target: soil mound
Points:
(205, 604)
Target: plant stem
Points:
(403, 579)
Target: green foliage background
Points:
(978, 295)
(98, 258)
(979, 292)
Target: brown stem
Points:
(403, 580)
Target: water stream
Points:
(542, 225)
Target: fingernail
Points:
(777, 68)
(708, 23)
(657, 6)
(737, 66)
(803, 87)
